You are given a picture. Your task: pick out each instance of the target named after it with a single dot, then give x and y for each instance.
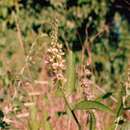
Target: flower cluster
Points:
(86, 83)
(54, 59)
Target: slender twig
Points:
(16, 18)
(19, 35)
(27, 58)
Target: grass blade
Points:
(92, 121)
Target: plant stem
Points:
(72, 112)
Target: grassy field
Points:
(64, 65)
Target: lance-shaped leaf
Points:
(86, 105)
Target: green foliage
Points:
(3, 124)
(108, 55)
(78, 20)
(86, 105)
(92, 121)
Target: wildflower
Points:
(86, 83)
(54, 59)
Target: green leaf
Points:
(60, 113)
(1, 115)
(119, 107)
(9, 54)
(1, 64)
(107, 95)
(104, 96)
(86, 105)
(92, 121)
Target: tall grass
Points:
(87, 107)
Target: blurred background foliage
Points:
(79, 20)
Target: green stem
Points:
(72, 112)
